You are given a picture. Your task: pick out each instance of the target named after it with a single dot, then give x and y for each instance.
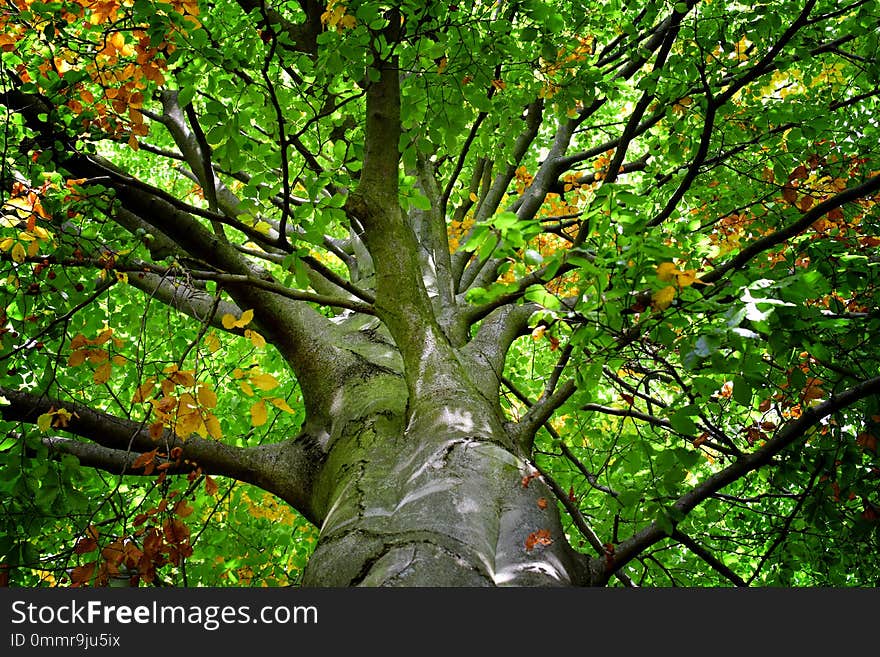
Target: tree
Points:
(528, 293)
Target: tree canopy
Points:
(635, 245)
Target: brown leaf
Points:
(85, 545)
(867, 441)
(182, 509)
(81, 575)
(542, 502)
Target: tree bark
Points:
(436, 502)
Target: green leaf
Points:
(742, 391)
(681, 421)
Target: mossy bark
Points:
(435, 501)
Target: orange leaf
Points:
(210, 486)
(540, 537)
(156, 430)
(102, 374)
(542, 502)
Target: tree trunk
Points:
(439, 501)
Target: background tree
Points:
(526, 293)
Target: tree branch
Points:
(284, 469)
(791, 433)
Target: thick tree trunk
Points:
(439, 502)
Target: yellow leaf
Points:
(212, 343)
(538, 332)
(256, 339)
(102, 374)
(246, 388)
(119, 360)
(473, 197)
(687, 278)
(187, 424)
(62, 417)
(237, 373)
(230, 322)
(245, 319)
(207, 397)
(279, 402)
(259, 414)
(18, 253)
(667, 271)
(662, 299)
(185, 378)
(212, 424)
(143, 390)
(6, 244)
(264, 381)
(44, 422)
(186, 403)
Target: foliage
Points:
(685, 194)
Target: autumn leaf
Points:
(264, 381)
(44, 421)
(687, 278)
(85, 545)
(542, 502)
(867, 441)
(662, 299)
(145, 460)
(212, 342)
(541, 537)
(259, 414)
(212, 424)
(256, 339)
(667, 271)
(210, 486)
(156, 430)
(103, 373)
(81, 575)
(230, 321)
(805, 203)
(281, 403)
(207, 397)
(18, 253)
